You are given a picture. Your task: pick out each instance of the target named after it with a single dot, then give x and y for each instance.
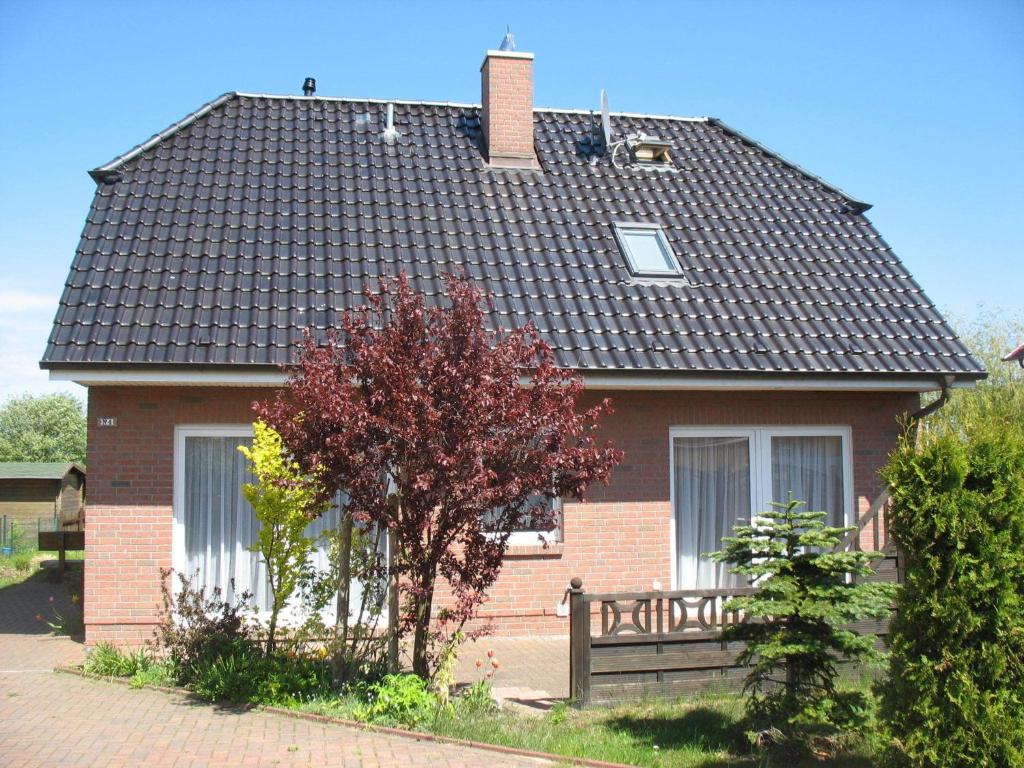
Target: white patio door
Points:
(724, 474)
(713, 481)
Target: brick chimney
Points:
(506, 85)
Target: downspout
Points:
(915, 418)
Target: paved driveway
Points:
(50, 719)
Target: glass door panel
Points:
(811, 468)
(712, 491)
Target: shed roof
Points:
(37, 470)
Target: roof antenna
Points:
(309, 86)
(509, 43)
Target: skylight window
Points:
(646, 249)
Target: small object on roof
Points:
(390, 132)
(509, 43)
(606, 120)
(309, 86)
(649, 149)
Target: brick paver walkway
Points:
(51, 719)
(26, 643)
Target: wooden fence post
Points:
(579, 645)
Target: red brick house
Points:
(754, 331)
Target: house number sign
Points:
(106, 421)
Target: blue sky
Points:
(917, 108)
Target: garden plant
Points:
(284, 501)
(420, 416)
(955, 692)
(794, 626)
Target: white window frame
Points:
(527, 538)
(760, 438)
(178, 560)
(181, 432)
(540, 538)
(622, 229)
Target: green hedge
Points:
(955, 693)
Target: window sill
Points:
(534, 551)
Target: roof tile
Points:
(218, 240)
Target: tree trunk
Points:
(392, 601)
(271, 630)
(343, 605)
(420, 663)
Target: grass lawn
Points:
(25, 562)
(20, 566)
(705, 732)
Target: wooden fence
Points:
(663, 644)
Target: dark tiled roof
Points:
(218, 240)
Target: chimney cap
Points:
(508, 43)
(309, 86)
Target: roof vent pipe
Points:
(390, 132)
(309, 86)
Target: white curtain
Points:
(220, 525)
(712, 479)
(811, 468)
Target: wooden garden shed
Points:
(31, 492)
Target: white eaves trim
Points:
(780, 383)
(88, 378)
(638, 381)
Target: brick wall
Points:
(618, 540)
(129, 514)
(506, 93)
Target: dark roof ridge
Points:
(109, 169)
(856, 206)
(464, 105)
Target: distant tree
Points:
(999, 398)
(445, 433)
(42, 428)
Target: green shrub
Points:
(22, 561)
(288, 680)
(475, 700)
(398, 700)
(107, 660)
(242, 674)
(160, 672)
(227, 675)
(195, 629)
(795, 635)
(955, 693)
